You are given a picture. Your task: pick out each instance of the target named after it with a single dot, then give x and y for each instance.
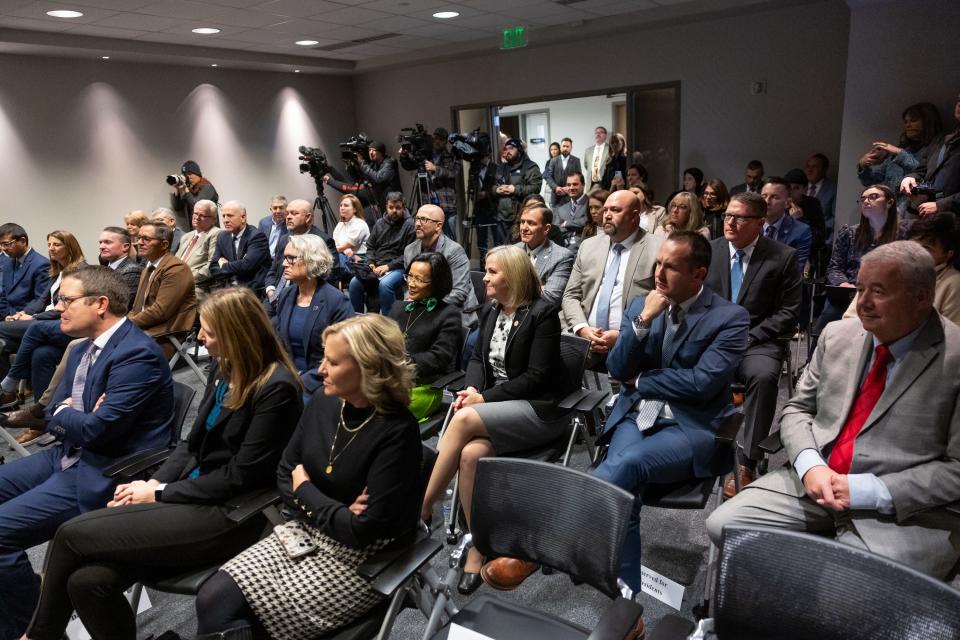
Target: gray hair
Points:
(913, 261)
(208, 206)
(314, 253)
(167, 214)
(236, 204)
(279, 199)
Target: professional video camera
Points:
(470, 146)
(417, 142)
(359, 143)
(314, 162)
(177, 179)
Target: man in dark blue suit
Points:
(780, 225)
(242, 254)
(676, 356)
(23, 271)
(115, 399)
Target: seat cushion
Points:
(508, 621)
(681, 495)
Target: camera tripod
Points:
(327, 219)
(423, 192)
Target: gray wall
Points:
(900, 53)
(83, 142)
(799, 51)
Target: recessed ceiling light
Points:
(296, 70)
(64, 13)
(104, 57)
(446, 15)
(206, 31)
(307, 43)
(214, 65)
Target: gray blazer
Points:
(554, 264)
(571, 216)
(462, 295)
(200, 254)
(584, 283)
(911, 440)
(588, 165)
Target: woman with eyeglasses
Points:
(879, 224)
(307, 305)
(715, 199)
(683, 214)
(431, 328)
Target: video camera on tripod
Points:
(313, 161)
(417, 142)
(470, 146)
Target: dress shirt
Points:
(101, 342)
(563, 161)
(814, 188)
(616, 297)
(776, 225)
(867, 491)
(116, 263)
(747, 252)
(535, 253)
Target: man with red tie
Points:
(873, 430)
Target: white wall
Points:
(574, 118)
(800, 51)
(83, 142)
(900, 53)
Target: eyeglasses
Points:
(870, 197)
(290, 259)
(66, 301)
(143, 238)
(735, 220)
(423, 220)
(6, 243)
(409, 277)
(202, 215)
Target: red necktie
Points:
(842, 455)
(193, 243)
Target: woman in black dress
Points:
(175, 521)
(514, 382)
(432, 329)
(351, 476)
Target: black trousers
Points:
(96, 556)
(760, 374)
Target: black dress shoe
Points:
(469, 582)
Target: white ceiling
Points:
(261, 34)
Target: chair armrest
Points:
(771, 444)
(573, 398)
(45, 440)
(247, 505)
(729, 427)
(617, 621)
(672, 627)
(451, 380)
(137, 463)
(390, 569)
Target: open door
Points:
(653, 133)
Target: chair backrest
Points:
(479, 289)
(559, 517)
(773, 583)
(573, 352)
(182, 398)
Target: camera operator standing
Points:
(380, 170)
(443, 170)
(189, 187)
(517, 178)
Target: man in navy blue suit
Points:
(242, 254)
(115, 399)
(780, 225)
(677, 354)
(23, 271)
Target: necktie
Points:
(16, 265)
(142, 295)
(736, 275)
(236, 247)
(771, 232)
(651, 409)
(274, 236)
(606, 288)
(812, 190)
(193, 243)
(72, 455)
(841, 457)
(597, 151)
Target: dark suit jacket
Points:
(130, 269)
(827, 195)
(242, 449)
(38, 306)
(328, 306)
(265, 226)
(944, 173)
(248, 265)
(797, 235)
(30, 283)
(532, 360)
(433, 338)
(276, 267)
(770, 292)
(556, 176)
(168, 304)
(694, 378)
(136, 414)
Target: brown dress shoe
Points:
(29, 436)
(747, 476)
(9, 400)
(506, 574)
(639, 631)
(30, 418)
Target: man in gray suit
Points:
(551, 261)
(572, 214)
(873, 431)
(611, 269)
(197, 246)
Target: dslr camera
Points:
(417, 142)
(177, 179)
(359, 143)
(313, 161)
(470, 146)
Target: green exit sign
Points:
(514, 37)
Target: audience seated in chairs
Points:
(24, 275)
(431, 329)
(651, 213)
(780, 225)
(115, 399)
(551, 261)
(683, 214)
(760, 275)
(166, 217)
(384, 264)
(242, 255)
(116, 246)
(133, 221)
(509, 403)
(197, 246)
(274, 226)
(351, 477)
(166, 301)
(351, 233)
(714, 201)
(594, 224)
(305, 309)
(676, 355)
(175, 521)
(299, 221)
(872, 433)
(571, 214)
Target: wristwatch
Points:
(639, 326)
(158, 491)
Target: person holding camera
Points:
(189, 187)
(380, 170)
(443, 169)
(517, 178)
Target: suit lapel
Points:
(853, 376)
(636, 251)
(100, 364)
(756, 260)
(597, 267)
(519, 317)
(17, 276)
(316, 307)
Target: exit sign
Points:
(514, 37)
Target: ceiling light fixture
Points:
(307, 43)
(64, 13)
(206, 31)
(446, 15)
(104, 57)
(214, 65)
(296, 70)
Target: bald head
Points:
(299, 216)
(621, 215)
(429, 223)
(234, 216)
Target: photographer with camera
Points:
(517, 178)
(441, 168)
(935, 185)
(380, 170)
(189, 187)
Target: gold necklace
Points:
(355, 431)
(411, 320)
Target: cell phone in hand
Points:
(294, 539)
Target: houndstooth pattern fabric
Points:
(306, 597)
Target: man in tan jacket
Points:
(196, 247)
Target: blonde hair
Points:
(249, 347)
(519, 273)
(355, 201)
(136, 218)
(378, 347)
(694, 221)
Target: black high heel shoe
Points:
(469, 582)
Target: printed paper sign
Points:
(462, 633)
(662, 588)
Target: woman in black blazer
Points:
(431, 328)
(513, 385)
(175, 521)
(307, 306)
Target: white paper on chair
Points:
(462, 633)
(75, 629)
(660, 587)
